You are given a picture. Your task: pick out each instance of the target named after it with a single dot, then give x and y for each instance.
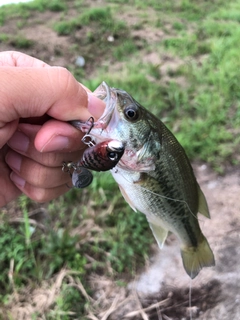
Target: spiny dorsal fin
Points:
(202, 204)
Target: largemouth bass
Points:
(154, 174)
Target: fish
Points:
(154, 174)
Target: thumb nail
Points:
(56, 143)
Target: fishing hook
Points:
(87, 138)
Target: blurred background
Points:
(87, 255)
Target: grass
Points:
(71, 243)
(64, 28)
(197, 97)
(207, 54)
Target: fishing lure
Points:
(100, 157)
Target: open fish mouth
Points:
(109, 96)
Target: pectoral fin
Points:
(159, 233)
(202, 204)
(127, 199)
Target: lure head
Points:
(115, 150)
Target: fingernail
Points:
(95, 105)
(17, 180)
(56, 143)
(19, 141)
(14, 160)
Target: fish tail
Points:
(195, 258)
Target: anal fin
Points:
(202, 204)
(159, 233)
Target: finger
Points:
(35, 173)
(35, 193)
(23, 142)
(58, 136)
(18, 59)
(94, 107)
(36, 91)
(8, 191)
(7, 131)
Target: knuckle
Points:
(65, 77)
(44, 195)
(51, 160)
(37, 175)
(42, 178)
(39, 195)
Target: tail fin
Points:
(195, 258)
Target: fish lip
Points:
(109, 96)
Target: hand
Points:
(36, 100)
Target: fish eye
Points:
(113, 156)
(131, 113)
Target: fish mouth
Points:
(109, 96)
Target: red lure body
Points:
(103, 156)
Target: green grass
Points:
(100, 15)
(207, 109)
(64, 28)
(112, 239)
(4, 37)
(18, 42)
